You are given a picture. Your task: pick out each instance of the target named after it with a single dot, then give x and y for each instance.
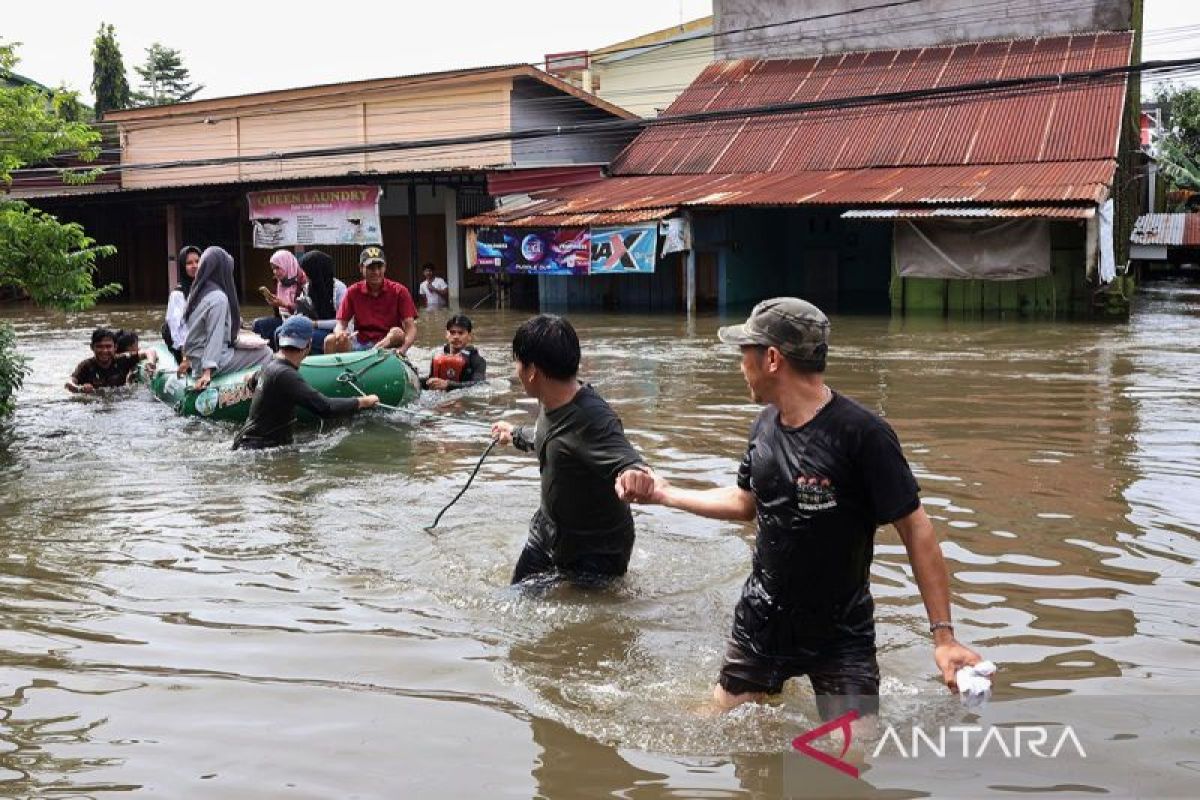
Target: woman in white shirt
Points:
(174, 330)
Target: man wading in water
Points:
(820, 474)
(278, 389)
(581, 530)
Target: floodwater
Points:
(185, 621)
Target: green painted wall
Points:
(1064, 291)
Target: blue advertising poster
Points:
(627, 250)
(543, 251)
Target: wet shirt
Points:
(278, 391)
(115, 374)
(375, 316)
(820, 491)
(581, 449)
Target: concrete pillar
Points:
(690, 271)
(414, 250)
(455, 263)
(174, 242)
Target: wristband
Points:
(934, 626)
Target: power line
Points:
(858, 101)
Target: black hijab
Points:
(318, 267)
(216, 275)
(185, 280)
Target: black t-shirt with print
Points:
(117, 373)
(821, 490)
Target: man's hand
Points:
(87, 388)
(438, 383)
(184, 366)
(636, 485)
(368, 401)
(950, 657)
(502, 432)
(202, 382)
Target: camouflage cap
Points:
(798, 328)
(371, 255)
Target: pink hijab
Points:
(294, 278)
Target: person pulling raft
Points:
(278, 389)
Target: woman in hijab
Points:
(174, 331)
(213, 319)
(321, 297)
(289, 281)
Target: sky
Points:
(247, 46)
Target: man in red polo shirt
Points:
(383, 311)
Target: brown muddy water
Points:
(184, 621)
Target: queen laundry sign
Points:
(320, 215)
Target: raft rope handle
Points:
(429, 528)
(347, 377)
(350, 378)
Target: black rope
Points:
(474, 472)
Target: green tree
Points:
(52, 262)
(109, 84)
(165, 79)
(67, 106)
(1177, 148)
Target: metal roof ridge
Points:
(923, 48)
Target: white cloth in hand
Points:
(975, 683)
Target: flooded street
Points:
(188, 621)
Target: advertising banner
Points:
(624, 250)
(541, 251)
(321, 215)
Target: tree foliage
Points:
(109, 84)
(1177, 148)
(165, 79)
(54, 263)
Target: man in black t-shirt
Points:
(581, 530)
(107, 369)
(819, 475)
(460, 363)
(278, 389)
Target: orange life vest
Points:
(448, 366)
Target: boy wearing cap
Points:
(278, 389)
(819, 475)
(382, 310)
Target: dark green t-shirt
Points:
(581, 449)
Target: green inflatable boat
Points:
(228, 397)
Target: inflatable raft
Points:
(228, 396)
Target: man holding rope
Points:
(820, 474)
(581, 531)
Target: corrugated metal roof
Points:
(1055, 123)
(1072, 182)
(528, 217)
(1167, 229)
(987, 212)
(1158, 229)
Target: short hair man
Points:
(278, 389)
(435, 290)
(381, 309)
(581, 530)
(459, 364)
(106, 368)
(820, 474)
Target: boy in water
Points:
(106, 368)
(459, 364)
(581, 529)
